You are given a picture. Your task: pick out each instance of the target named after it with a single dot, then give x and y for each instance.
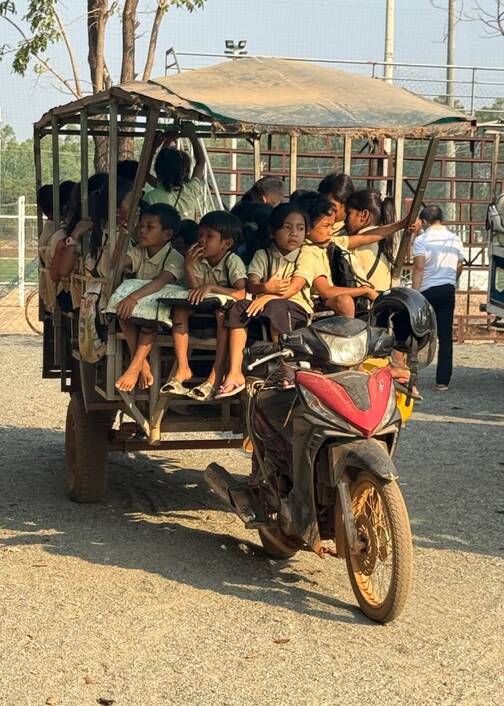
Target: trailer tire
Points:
(86, 451)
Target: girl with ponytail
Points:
(372, 261)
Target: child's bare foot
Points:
(183, 374)
(402, 375)
(128, 380)
(145, 379)
(232, 385)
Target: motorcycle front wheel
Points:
(381, 572)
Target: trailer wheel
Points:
(86, 450)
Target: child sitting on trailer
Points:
(211, 267)
(269, 276)
(156, 260)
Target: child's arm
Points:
(325, 290)
(375, 235)
(193, 254)
(125, 307)
(189, 131)
(237, 291)
(296, 284)
(65, 255)
(273, 285)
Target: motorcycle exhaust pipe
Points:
(219, 481)
(231, 492)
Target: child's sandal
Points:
(202, 393)
(174, 387)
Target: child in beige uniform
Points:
(269, 276)
(371, 260)
(156, 260)
(210, 268)
(314, 267)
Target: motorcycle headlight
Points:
(343, 351)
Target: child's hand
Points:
(82, 227)
(415, 227)
(371, 294)
(122, 227)
(125, 307)
(194, 253)
(197, 295)
(258, 304)
(276, 286)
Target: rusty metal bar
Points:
(415, 206)
(293, 163)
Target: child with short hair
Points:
(314, 266)
(269, 276)
(155, 259)
(211, 267)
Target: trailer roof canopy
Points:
(260, 95)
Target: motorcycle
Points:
(324, 432)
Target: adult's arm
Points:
(418, 271)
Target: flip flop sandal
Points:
(235, 390)
(202, 393)
(174, 387)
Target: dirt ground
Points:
(158, 596)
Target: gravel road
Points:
(158, 596)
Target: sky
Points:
(318, 29)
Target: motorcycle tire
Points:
(384, 530)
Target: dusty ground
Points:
(160, 597)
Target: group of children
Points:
(285, 275)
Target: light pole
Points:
(451, 165)
(234, 50)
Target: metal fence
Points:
(18, 248)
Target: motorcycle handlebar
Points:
(267, 351)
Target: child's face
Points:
(356, 220)
(321, 231)
(213, 244)
(292, 233)
(150, 232)
(338, 208)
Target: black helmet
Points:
(412, 319)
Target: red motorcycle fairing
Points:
(365, 409)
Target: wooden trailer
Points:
(244, 98)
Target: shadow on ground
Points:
(451, 472)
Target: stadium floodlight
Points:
(235, 48)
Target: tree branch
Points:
(162, 9)
(71, 53)
(43, 62)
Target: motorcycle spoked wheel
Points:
(381, 574)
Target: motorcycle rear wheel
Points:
(381, 573)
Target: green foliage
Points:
(492, 112)
(189, 5)
(42, 25)
(18, 170)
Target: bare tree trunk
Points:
(97, 21)
(129, 25)
(162, 9)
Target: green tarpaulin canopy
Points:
(261, 95)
